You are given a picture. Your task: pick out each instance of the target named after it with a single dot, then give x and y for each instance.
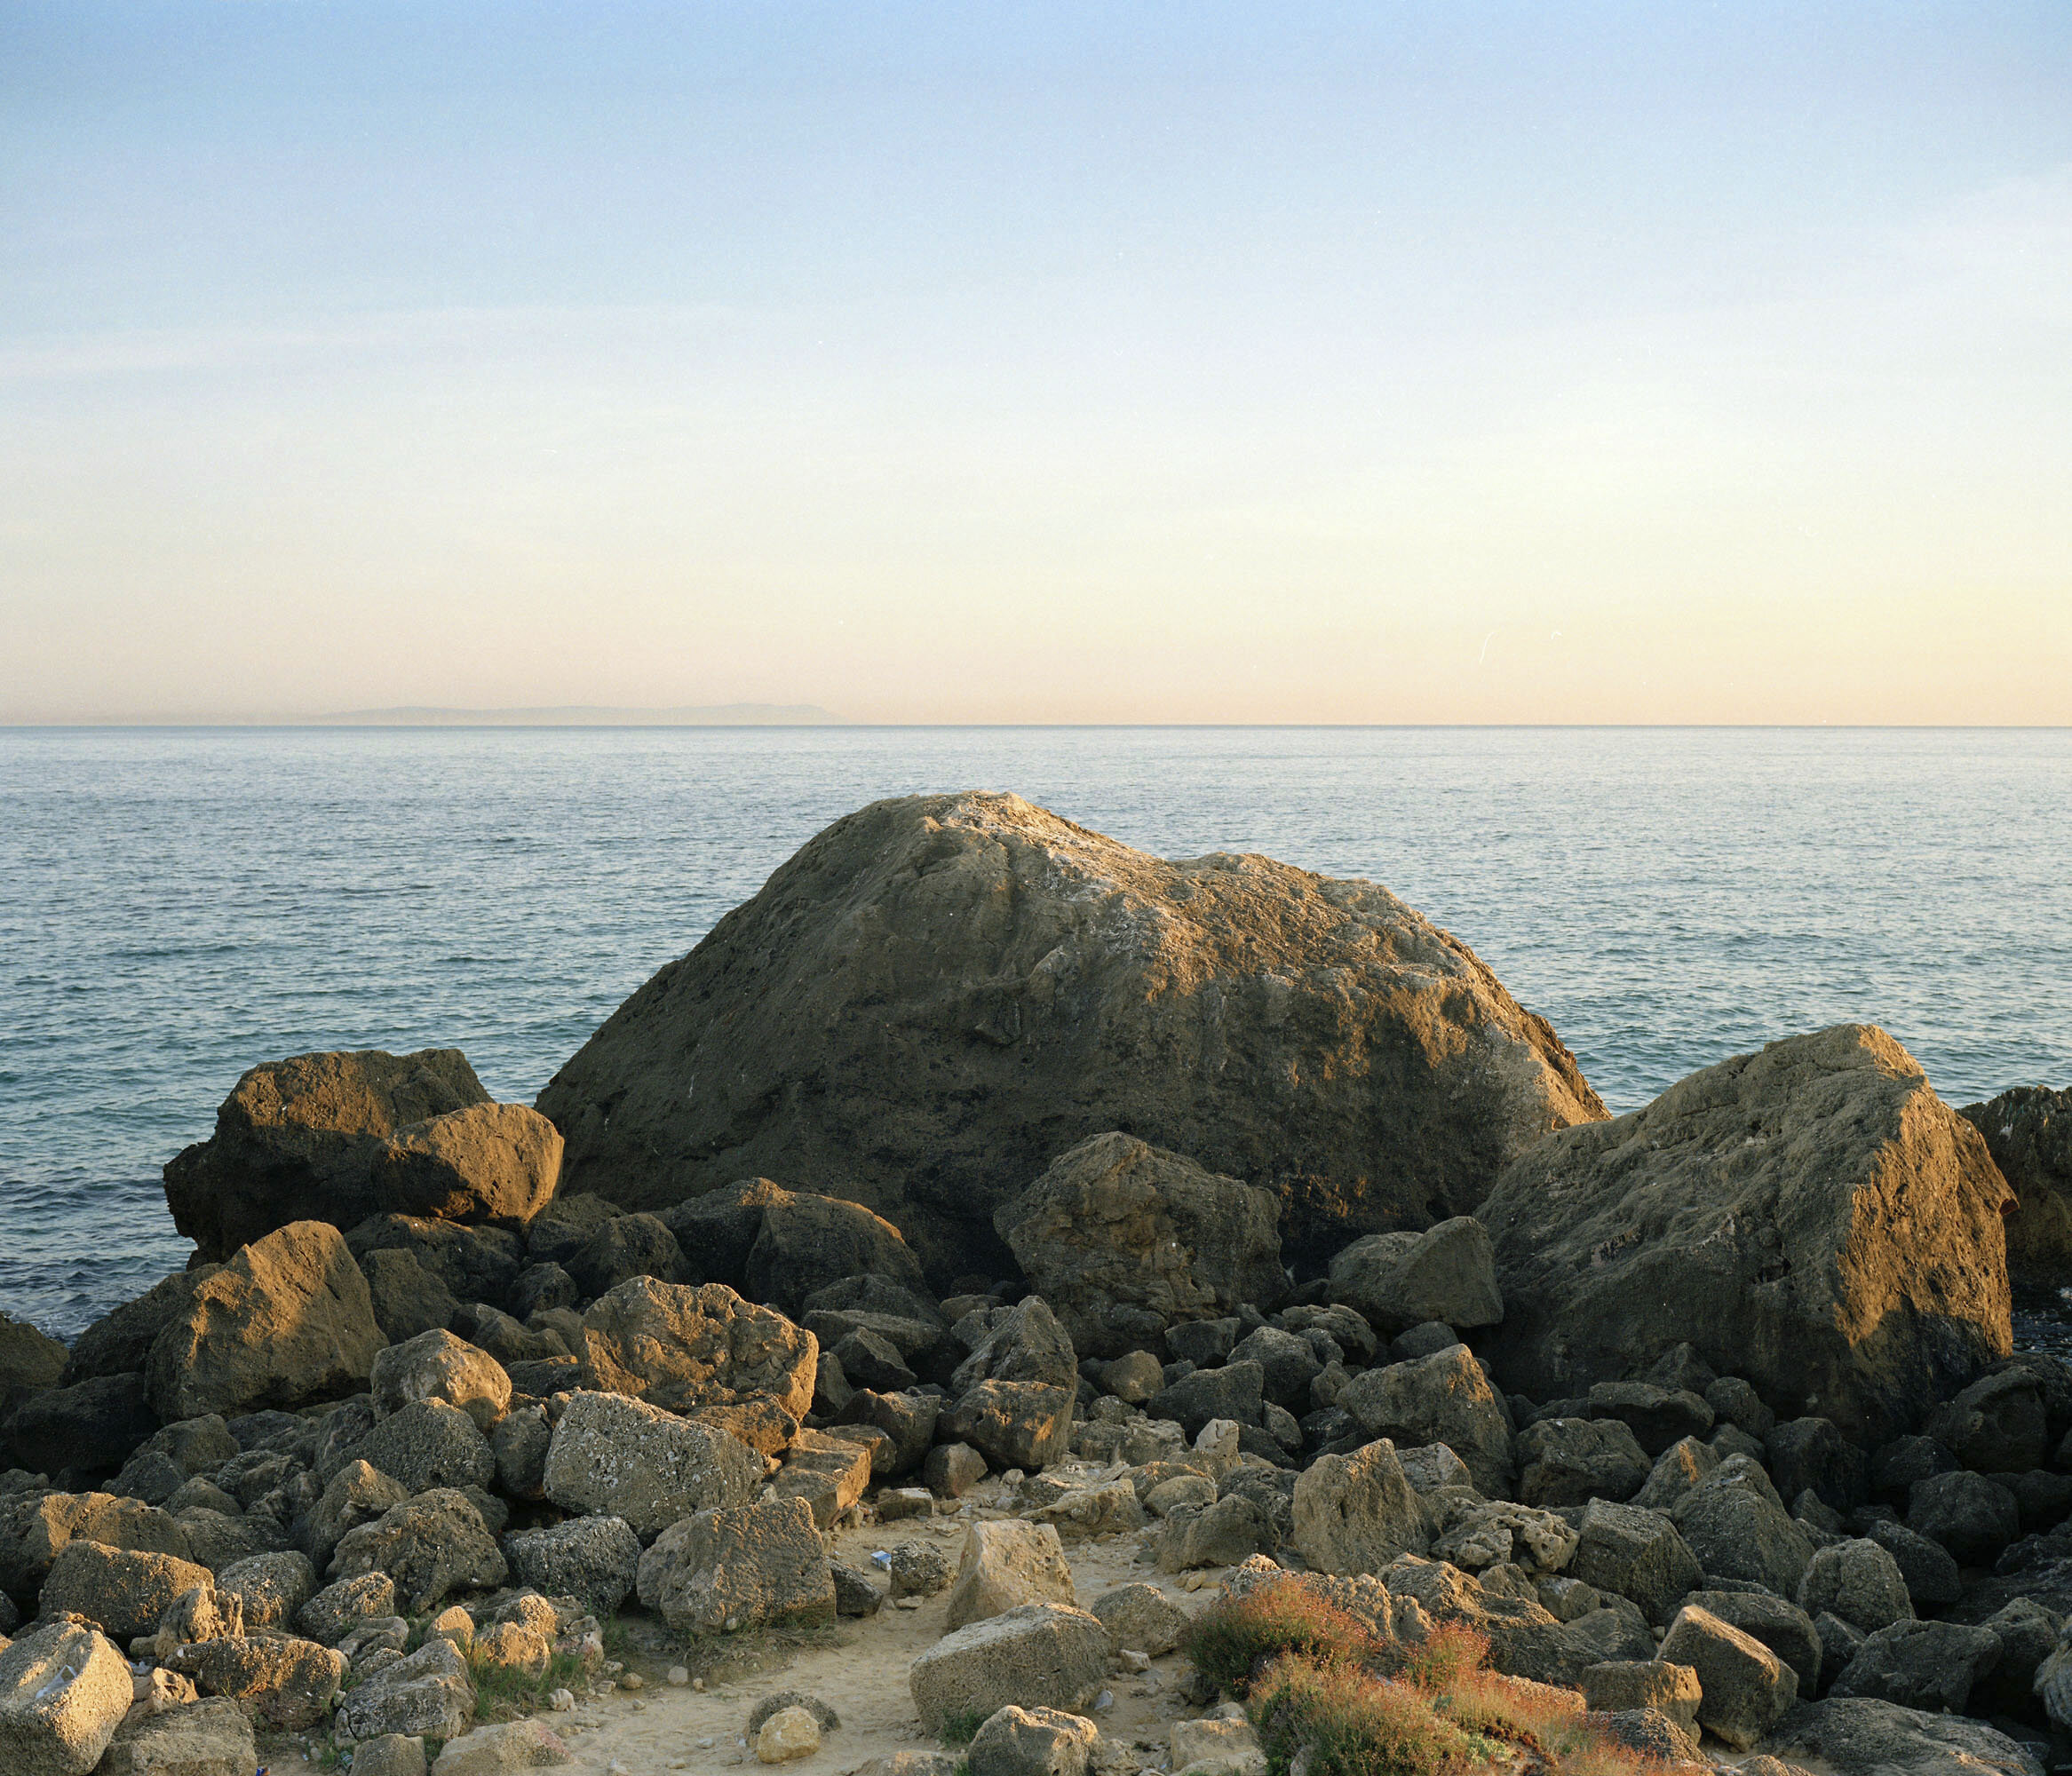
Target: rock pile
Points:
(1709, 1413)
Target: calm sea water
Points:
(175, 905)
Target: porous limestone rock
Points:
(1124, 1239)
(64, 1689)
(939, 994)
(437, 1366)
(1038, 1655)
(687, 1349)
(287, 1320)
(745, 1567)
(1355, 1513)
(294, 1141)
(211, 1736)
(1005, 1564)
(1446, 1275)
(1812, 1217)
(616, 1457)
(2029, 1132)
(488, 1163)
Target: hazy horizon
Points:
(1616, 365)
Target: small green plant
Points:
(1235, 1638)
(502, 1693)
(962, 1727)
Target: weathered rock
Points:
(1657, 1416)
(473, 1263)
(409, 1299)
(594, 1559)
(1746, 1686)
(1039, 1742)
(1685, 1465)
(1221, 1535)
(428, 1694)
(119, 1343)
(952, 1470)
(1537, 1542)
(36, 1527)
(1857, 1733)
(288, 1319)
(1998, 1425)
(1038, 1655)
(121, 1591)
(289, 1684)
(1571, 1460)
(430, 1545)
(336, 1609)
(1446, 1398)
(64, 1689)
(487, 1162)
(1637, 1554)
(1316, 1037)
(1355, 1513)
(1858, 1580)
(1972, 1517)
(30, 1362)
(616, 1457)
(359, 1493)
(209, 1737)
(1087, 1513)
(2029, 1132)
(909, 1419)
(1645, 1683)
(745, 1567)
(511, 1649)
(1781, 1625)
(270, 1588)
(1811, 1216)
(1234, 1391)
(1448, 1274)
(295, 1138)
(1738, 1532)
(1124, 1239)
(827, 1474)
(519, 1444)
(437, 1366)
(1926, 1665)
(500, 1750)
(688, 1350)
(1931, 1574)
(2028, 1634)
(1012, 1424)
(1005, 1565)
(393, 1753)
(789, 1734)
(1140, 1617)
(89, 1428)
(428, 1443)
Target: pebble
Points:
(562, 1701)
(632, 1680)
(679, 1677)
(697, 1683)
(1135, 1661)
(906, 1603)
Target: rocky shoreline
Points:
(1038, 1208)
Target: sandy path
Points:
(860, 1669)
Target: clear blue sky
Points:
(1146, 363)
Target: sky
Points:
(1159, 363)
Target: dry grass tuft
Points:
(1235, 1638)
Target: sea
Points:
(179, 903)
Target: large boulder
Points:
(294, 1140)
(1355, 1513)
(1124, 1239)
(35, 1528)
(688, 1349)
(30, 1360)
(64, 1689)
(1005, 1565)
(437, 1366)
(429, 1694)
(120, 1590)
(616, 1457)
(211, 1737)
(941, 994)
(286, 1320)
(1046, 1655)
(1812, 1217)
(1446, 1398)
(747, 1566)
(119, 1343)
(90, 1428)
(2029, 1132)
(1447, 1273)
(490, 1162)
(1863, 1733)
(429, 1545)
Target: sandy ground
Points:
(859, 1669)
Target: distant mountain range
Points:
(584, 715)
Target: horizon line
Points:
(337, 725)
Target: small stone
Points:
(679, 1677)
(789, 1734)
(562, 1701)
(1133, 1661)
